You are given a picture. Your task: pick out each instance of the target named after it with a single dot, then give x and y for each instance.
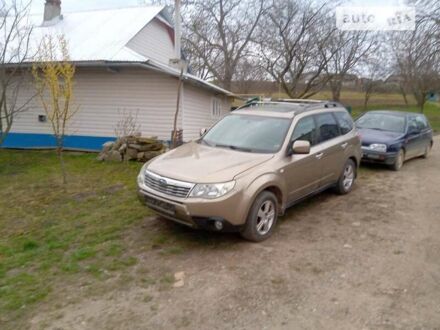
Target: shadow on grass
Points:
(169, 238)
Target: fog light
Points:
(218, 225)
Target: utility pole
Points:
(179, 64)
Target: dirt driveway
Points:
(369, 260)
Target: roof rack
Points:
(299, 100)
(303, 104)
(325, 104)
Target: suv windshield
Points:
(248, 133)
(382, 122)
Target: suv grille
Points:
(167, 186)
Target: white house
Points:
(122, 59)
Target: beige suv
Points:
(252, 165)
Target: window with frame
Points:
(345, 122)
(305, 130)
(216, 109)
(412, 124)
(327, 126)
(421, 121)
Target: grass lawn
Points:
(356, 99)
(50, 233)
(62, 244)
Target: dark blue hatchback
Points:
(391, 137)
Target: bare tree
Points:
(127, 124)
(15, 32)
(417, 55)
(374, 69)
(345, 49)
(218, 34)
(53, 75)
(427, 9)
(293, 39)
(247, 75)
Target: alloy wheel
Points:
(265, 217)
(348, 179)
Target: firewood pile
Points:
(134, 148)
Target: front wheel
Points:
(346, 180)
(261, 218)
(398, 163)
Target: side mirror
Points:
(203, 131)
(300, 147)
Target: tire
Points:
(346, 180)
(398, 163)
(427, 150)
(263, 210)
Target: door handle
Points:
(319, 156)
(344, 145)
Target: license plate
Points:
(160, 205)
(373, 156)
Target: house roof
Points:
(100, 37)
(96, 35)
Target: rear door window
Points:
(345, 122)
(327, 126)
(305, 130)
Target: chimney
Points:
(52, 10)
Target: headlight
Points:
(141, 176)
(378, 147)
(211, 190)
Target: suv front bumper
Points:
(197, 213)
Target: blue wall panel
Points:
(41, 141)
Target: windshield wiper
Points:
(375, 128)
(234, 147)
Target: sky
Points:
(37, 6)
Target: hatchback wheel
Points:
(398, 163)
(346, 180)
(262, 218)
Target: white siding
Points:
(197, 110)
(153, 42)
(101, 95)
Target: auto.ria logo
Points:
(385, 18)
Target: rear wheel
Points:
(346, 180)
(261, 218)
(398, 163)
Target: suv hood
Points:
(193, 162)
(369, 136)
